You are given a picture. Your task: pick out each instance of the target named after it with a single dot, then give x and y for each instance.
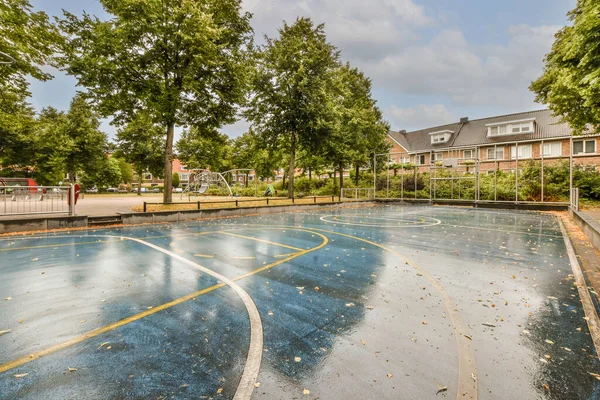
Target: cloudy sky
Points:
(431, 61)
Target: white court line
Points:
(586, 300)
(254, 358)
(324, 219)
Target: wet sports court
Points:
(382, 302)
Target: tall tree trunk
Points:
(356, 174)
(247, 175)
(284, 178)
(292, 170)
(334, 182)
(168, 193)
(341, 178)
(309, 173)
(140, 181)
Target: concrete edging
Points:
(42, 223)
(590, 226)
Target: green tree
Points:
(182, 61)
(176, 181)
(570, 84)
(126, 171)
(202, 150)
(141, 143)
(50, 145)
(87, 143)
(28, 42)
(108, 174)
(250, 151)
(292, 82)
(360, 129)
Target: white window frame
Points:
(508, 128)
(440, 136)
(552, 149)
(184, 176)
(584, 142)
(418, 159)
(405, 160)
(471, 157)
(437, 156)
(147, 176)
(522, 148)
(499, 151)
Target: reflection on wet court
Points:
(371, 303)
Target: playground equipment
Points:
(201, 180)
(270, 192)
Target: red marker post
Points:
(72, 198)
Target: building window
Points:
(584, 147)
(524, 151)
(405, 159)
(420, 159)
(441, 136)
(184, 177)
(468, 154)
(499, 153)
(553, 149)
(184, 168)
(437, 157)
(511, 127)
(147, 176)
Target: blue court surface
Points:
(377, 302)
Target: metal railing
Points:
(356, 194)
(31, 200)
(575, 199)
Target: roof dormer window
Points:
(440, 137)
(510, 127)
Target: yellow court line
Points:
(89, 335)
(260, 240)
(205, 255)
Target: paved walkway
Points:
(109, 205)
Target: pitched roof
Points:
(474, 132)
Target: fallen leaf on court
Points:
(548, 357)
(270, 313)
(306, 391)
(488, 324)
(82, 321)
(370, 307)
(549, 341)
(364, 342)
(317, 288)
(473, 376)
(424, 322)
(43, 272)
(297, 359)
(8, 298)
(18, 376)
(545, 385)
(514, 277)
(71, 369)
(184, 385)
(300, 288)
(525, 331)
(389, 375)
(442, 389)
(103, 344)
(586, 318)
(567, 349)
(597, 376)
(21, 321)
(578, 329)
(4, 332)
(552, 298)
(468, 337)
(349, 304)
(220, 390)
(34, 259)
(257, 384)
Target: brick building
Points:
(495, 143)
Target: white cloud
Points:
(467, 74)
(421, 116)
(362, 31)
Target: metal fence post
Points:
(72, 200)
(198, 205)
(145, 207)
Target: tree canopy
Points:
(570, 84)
(141, 143)
(292, 88)
(182, 61)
